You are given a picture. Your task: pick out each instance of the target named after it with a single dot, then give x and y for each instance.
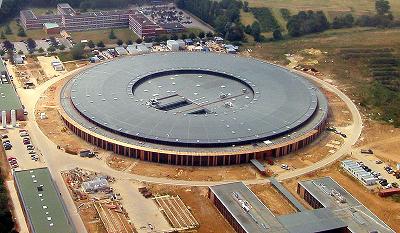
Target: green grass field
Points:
(34, 34)
(124, 34)
(353, 74)
(330, 7)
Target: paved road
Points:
(58, 160)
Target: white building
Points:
(358, 172)
(173, 45)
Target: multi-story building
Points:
(71, 20)
(143, 26)
(30, 20)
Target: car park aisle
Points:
(370, 161)
(20, 152)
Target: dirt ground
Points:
(53, 126)
(385, 208)
(273, 199)
(30, 71)
(383, 139)
(196, 198)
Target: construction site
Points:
(96, 201)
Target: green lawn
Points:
(34, 34)
(247, 18)
(124, 34)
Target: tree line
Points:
(223, 15)
(7, 224)
(312, 22)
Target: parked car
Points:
(378, 162)
(32, 152)
(4, 136)
(30, 147)
(27, 142)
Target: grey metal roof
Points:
(258, 219)
(352, 212)
(114, 96)
(309, 221)
(42, 204)
(287, 195)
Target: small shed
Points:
(173, 45)
(181, 44)
(51, 28)
(94, 59)
(121, 50)
(95, 185)
(57, 65)
(188, 41)
(18, 59)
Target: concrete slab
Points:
(141, 211)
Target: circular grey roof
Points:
(194, 98)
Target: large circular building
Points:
(197, 109)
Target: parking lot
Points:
(378, 168)
(19, 156)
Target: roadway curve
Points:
(57, 160)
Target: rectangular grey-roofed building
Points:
(243, 210)
(9, 99)
(319, 220)
(41, 202)
(327, 193)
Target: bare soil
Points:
(273, 199)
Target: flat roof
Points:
(275, 102)
(318, 220)
(282, 190)
(258, 219)
(41, 202)
(9, 99)
(51, 25)
(352, 212)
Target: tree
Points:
(100, 44)
(112, 35)
(174, 37)
(31, 44)
(139, 41)
(2, 52)
(20, 52)
(8, 30)
(277, 34)
(209, 35)
(129, 42)
(164, 37)
(41, 50)
(51, 49)
(247, 29)
(382, 7)
(77, 51)
(183, 36)
(3, 36)
(344, 21)
(21, 32)
(234, 33)
(246, 6)
(8, 45)
(256, 31)
(192, 36)
(120, 42)
(201, 35)
(61, 47)
(148, 39)
(91, 44)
